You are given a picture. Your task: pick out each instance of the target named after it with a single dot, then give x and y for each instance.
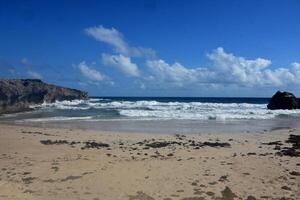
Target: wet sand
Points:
(49, 163)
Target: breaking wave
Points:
(96, 108)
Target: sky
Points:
(207, 48)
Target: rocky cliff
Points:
(17, 95)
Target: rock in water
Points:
(283, 100)
(17, 95)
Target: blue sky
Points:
(154, 48)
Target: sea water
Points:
(160, 115)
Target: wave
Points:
(143, 109)
(65, 105)
(213, 115)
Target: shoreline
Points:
(57, 163)
(157, 127)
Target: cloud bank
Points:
(223, 69)
(226, 68)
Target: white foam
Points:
(65, 105)
(174, 110)
(60, 118)
(202, 111)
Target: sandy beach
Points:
(47, 163)
(149, 100)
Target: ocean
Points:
(181, 115)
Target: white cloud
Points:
(243, 72)
(296, 71)
(296, 65)
(233, 69)
(115, 39)
(122, 63)
(176, 74)
(90, 73)
(35, 75)
(109, 36)
(226, 68)
(142, 52)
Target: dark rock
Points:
(16, 95)
(28, 180)
(283, 100)
(73, 143)
(250, 197)
(96, 145)
(289, 152)
(189, 143)
(51, 142)
(294, 173)
(295, 140)
(59, 142)
(161, 144)
(273, 143)
(293, 151)
(216, 144)
(223, 178)
(158, 144)
(227, 194)
(277, 147)
(285, 188)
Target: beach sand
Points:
(48, 163)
